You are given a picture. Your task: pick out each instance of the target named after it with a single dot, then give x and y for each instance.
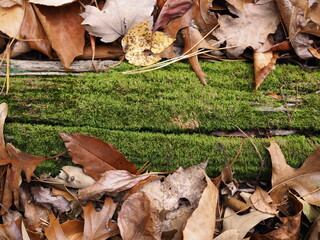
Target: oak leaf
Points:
(303, 180)
(250, 29)
(95, 155)
(116, 17)
(263, 202)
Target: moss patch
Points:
(151, 101)
(162, 150)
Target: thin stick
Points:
(238, 153)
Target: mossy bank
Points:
(165, 116)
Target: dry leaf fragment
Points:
(303, 180)
(97, 225)
(111, 182)
(95, 155)
(264, 63)
(63, 28)
(138, 219)
(243, 223)
(228, 235)
(17, 162)
(172, 9)
(204, 215)
(177, 196)
(116, 18)
(263, 202)
(142, 46)
(11, 18)
(43, 196)
(54, 231)
(54, 3)
(75, 177)
(289, 230)
(314, 231)
(33, 32)
(11, 229)
(250, 29)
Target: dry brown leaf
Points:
(293, 18)
(193, 41)
(138, 219)
(171, 10)
(314, 231)
(177, 196)
(302, 180)
(75, 177)
(17, 162)
(33, 32)
(263, 202)
(250, 29)
(63, 28)
(33, 214)
(263, 64)
(54, 231)
(228, 235)
(54, 3)
(111, 182)
(72, 229)
(315, 52)
(11, 228)
(43, 197)
(243, 223)
(11, 18)
(204, 215)
(116, 18)
(289, 230)
(98, 225)
(95, 155)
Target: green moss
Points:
(152, 101)
(160, 150)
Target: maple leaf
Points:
(95, 155)
(116, 17)
(304, 180)
(250, 29)
(16, 162)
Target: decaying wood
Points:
(56, 66)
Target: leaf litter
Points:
(185, 204)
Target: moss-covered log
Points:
(170, 100)
(164, 151)
(165, 116)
